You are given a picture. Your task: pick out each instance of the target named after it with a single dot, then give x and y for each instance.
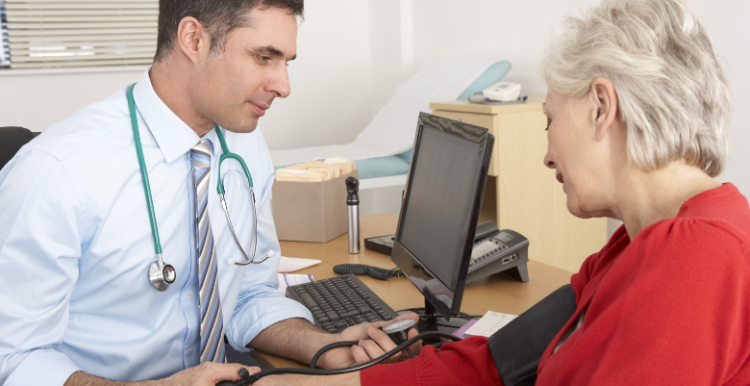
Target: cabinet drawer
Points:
(483, 120)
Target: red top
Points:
(672, 307)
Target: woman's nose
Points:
(548, 161)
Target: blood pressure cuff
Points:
(518, 347)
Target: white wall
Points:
(331, 83)
(37, 99)
(354, 53)
(517, 31)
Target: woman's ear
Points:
(605, 112)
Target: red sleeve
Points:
(467, 362)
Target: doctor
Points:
(77, 239)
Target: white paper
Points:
(287, 280)
(291, 264)
(392, 129)
(490, 322)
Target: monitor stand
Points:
(430, 320)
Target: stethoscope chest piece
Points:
(161, 275)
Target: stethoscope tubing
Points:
(161, 275)
(144, 173)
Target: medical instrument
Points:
(362, 269)
(352, 203)
(161, 275)
(249, 380)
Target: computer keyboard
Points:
(339, 302)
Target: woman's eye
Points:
(264, 59)
(549, 122)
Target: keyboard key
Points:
(348, 314)
(332, 315)
(309, 301)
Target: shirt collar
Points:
(173, 136)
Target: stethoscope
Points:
(161, 275)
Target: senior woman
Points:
(638, 115)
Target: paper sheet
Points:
(490, 322)
(286, 280)
(291, 264)
(392, 129)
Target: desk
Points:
(497, 293)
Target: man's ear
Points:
(605, 112)
(192, 38)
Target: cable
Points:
(329, 347)
(421, 310)
(255, 377)
(361, 269)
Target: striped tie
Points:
(212, 324)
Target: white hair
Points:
(672, 92)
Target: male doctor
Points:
(76, 243)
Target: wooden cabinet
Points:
(522, 194)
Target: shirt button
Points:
(190, 297)
(191, 351)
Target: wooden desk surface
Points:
(497, 292)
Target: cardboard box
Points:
(311, 211)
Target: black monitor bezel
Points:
(401, 255)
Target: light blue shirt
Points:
(76, 244)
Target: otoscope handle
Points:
(352, 203)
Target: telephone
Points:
(494, 251)
(503, 93)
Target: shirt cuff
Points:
(43, 367)
(258, 314)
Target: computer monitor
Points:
(443, 196)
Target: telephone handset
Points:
(498, 250)
(494, 251)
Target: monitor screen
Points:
(436, 221)
(438, 218)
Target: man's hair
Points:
(218, 17)
(672, 92)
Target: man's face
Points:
(236, 87)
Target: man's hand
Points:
(345, 357)
(380, 344)
(207, 374)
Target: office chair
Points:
(12, 138)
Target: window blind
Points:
(80, 33)
(4, 50)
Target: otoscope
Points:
(352, 202)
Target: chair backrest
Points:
(12, 138)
